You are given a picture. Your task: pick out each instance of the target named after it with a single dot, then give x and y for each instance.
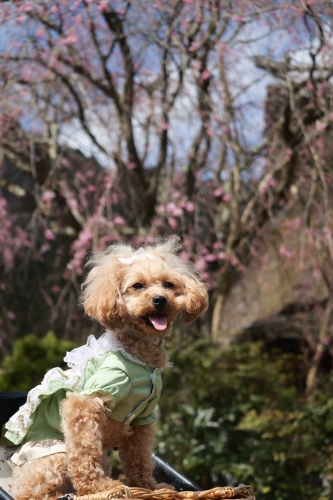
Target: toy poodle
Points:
(108, 396)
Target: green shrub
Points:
(30, 360)
(240, 416)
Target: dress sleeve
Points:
(109, 381)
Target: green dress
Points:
(102, 366)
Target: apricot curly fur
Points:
(109, 297)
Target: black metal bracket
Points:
(4, 495)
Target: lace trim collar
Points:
(79, 357)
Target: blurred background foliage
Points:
(240, 415)
(30, 359)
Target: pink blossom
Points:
(295, 223)
(75, 265)
(211, 257)
(221, 255)
(66, 162)
(91, 188)
(70, 39)
(205, 74)
(40, 33)
(320, 126)
(26, 7)
(285, 251)
(185, 256)
(194, 45)
(172, 222)
(227, 198)
(49, 235)
(103, 5)
(83, 240)
(200, 264)
(119, 220)
(218, 192)
(316, 274)
(221, 48)
(131, 165)
(45, 248)
(289, 153)
(190, 206)
(170, 207)
(178, 212)
(48, 195)
(234, 261)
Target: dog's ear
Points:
(102, 298)
(196, 300)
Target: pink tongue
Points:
(159, 322)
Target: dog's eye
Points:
(168, 284)
(138, 286)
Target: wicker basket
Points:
(237, 493)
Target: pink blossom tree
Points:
(130, 120)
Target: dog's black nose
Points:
(159, 301)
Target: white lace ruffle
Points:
(55, 379)
(79, 357)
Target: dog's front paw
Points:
(98, 487)
(110, 485)
(164, 486)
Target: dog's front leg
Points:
(136, 455)
(84, 422)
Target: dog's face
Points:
(154, 296)
(146, 294)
